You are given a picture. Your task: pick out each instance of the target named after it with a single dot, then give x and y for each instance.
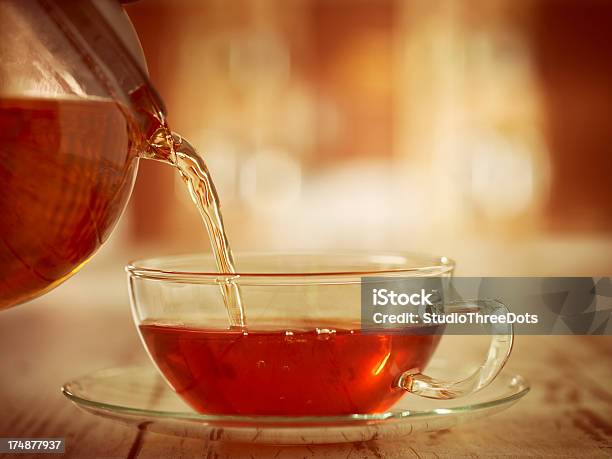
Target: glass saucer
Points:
(139, 396)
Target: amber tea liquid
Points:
(198, 180)
(304, 370)
(66, 169)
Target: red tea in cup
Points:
(302, 371)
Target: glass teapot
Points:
(76, 113)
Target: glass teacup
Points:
(303, 351)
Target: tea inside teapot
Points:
(77, 112)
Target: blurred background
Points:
(476, 129)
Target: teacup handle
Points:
(502, 337)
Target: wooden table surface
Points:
(567, 413)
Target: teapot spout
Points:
(162, 145)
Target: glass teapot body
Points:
(75, 112)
